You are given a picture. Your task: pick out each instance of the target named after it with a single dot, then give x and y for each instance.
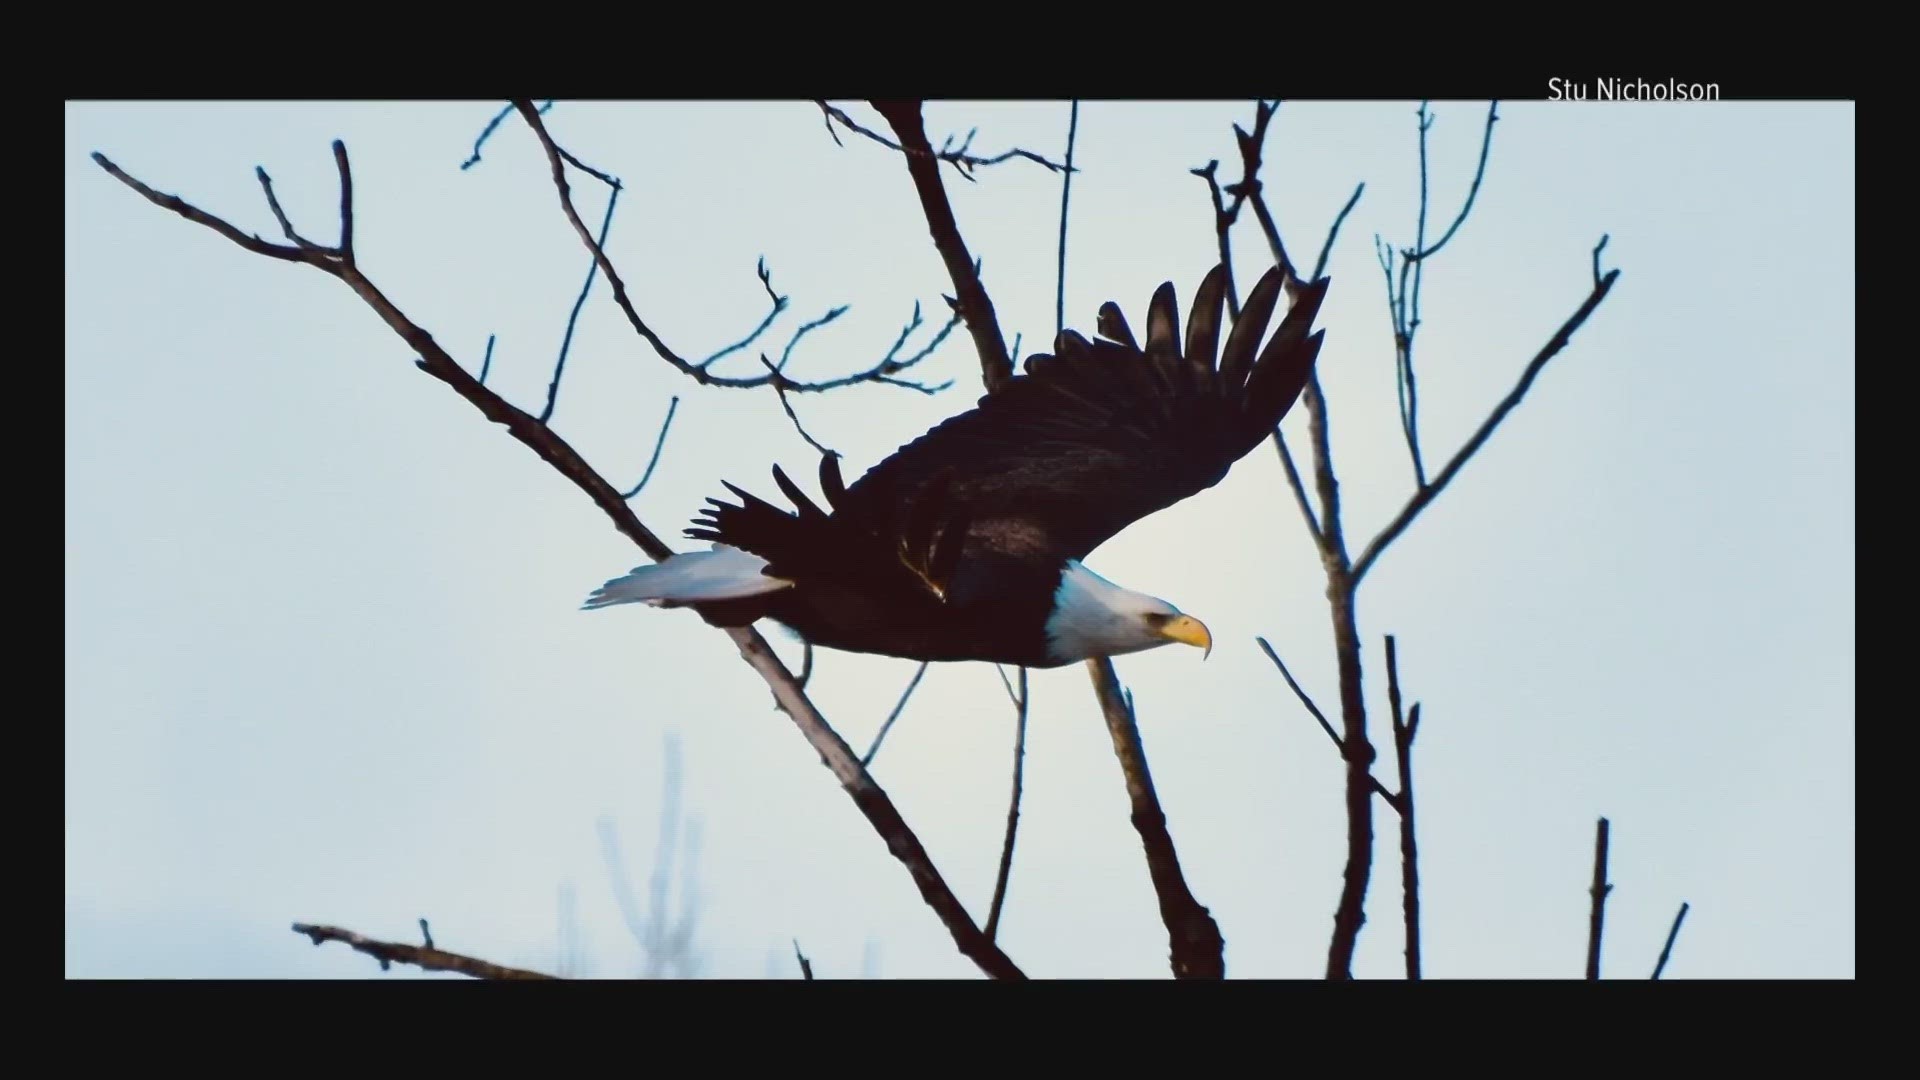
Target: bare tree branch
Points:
(899, 707)
(975, 306)
(194, 214)
(1223, 218)
(1404, 726)
(1248, 188)
(787, 404)
(434, 360)
(427, 958)
(1667, 949)
(486, 364)
(1066, 193)
(573, 318)
(1279, 438)
(1602, 286)
(1013, 803)
(659, 443)
(1379, 788)
(1598, 892)
(960, 157)
(1327, 527)
(1403, 300)
(1298, 488)
(887, 371)
(806, 966)
(487, 133)
(280, 215)
(1355, 748)
(1333, 233)
(1197, 948)
(1473, 192)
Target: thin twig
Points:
(1326, 249)
(959, 157)
(426, 958)
(1295, 485)
(1252, 144)
(1294, 482)
(834, 752)
(557, 159)
(487, 133)
(806, 966)
(1598, 893)
(1473, 192)
(659, 443)
(786, 404)
(898, 708)
(1404, 303)
(579, 302)
(486, 364)
(345, 174)
(1667, 949)
(280, 215)
(1013, 803)
(1223, 218)
(1339, 744)
(1404, 727)
(1066, 193)
(426, 932)
(1425, 495)
(1407, 316)
(975, 306)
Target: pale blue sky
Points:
(325, 662)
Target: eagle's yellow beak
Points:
(1188, 631)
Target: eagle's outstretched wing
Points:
(1097, 434)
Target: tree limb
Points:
(1404, 727)
(1196, 948)
(1667, 949)
(1196, 945)
(959, 157)
(975, 306)
(899, 707)
(1602, 286)
(1066, 193)
(1597, 918)
(1379, 788)
(426, 957)
(435, 361)
(659, 443)
(886, 371)
(1349, 915)
(1013, 802)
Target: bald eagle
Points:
(966, 544)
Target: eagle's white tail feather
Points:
(725, 573)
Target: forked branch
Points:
(961, 157)
(1421, 498)
(1197, 950)
(339, 262)
(887, 371)
(424, 957)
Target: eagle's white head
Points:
(1094, 617)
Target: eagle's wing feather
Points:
(1097, 435)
